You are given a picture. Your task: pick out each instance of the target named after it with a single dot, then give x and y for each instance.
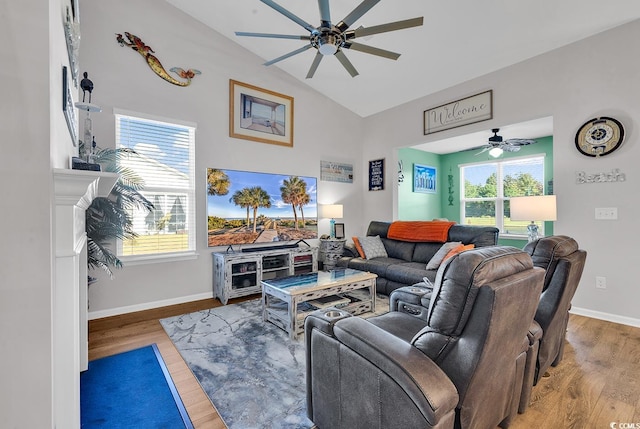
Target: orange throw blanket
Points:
(417, 231)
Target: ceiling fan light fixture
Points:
(495, 152)
(327, 48)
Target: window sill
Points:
(158, 259)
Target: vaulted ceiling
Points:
(460, 40)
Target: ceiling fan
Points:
(496, 145)
(330, 39)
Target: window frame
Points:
(191, 252)
(499, 199)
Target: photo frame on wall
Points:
(71, 23)
(339, 231)
(68, 107)
(260, 115)
(376, 175)
(424, 179)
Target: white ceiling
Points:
(459, 40)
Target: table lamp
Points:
(332, 211)
(534, 208)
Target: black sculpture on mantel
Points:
(87, 85)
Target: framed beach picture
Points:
(424, 179)
(260, 115)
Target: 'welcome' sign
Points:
(461, 112)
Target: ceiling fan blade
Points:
(325, 13)
(360, 10)
(346, 63)
(314, 65)
(520, 142)
(371, 50)
(274, 36)
(310, 28)
(383, 28)
(290, 54)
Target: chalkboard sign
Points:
(376, 175)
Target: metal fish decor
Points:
(138, 45)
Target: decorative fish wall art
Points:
(139, 46)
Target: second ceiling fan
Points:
(496, 145)
(330, 39)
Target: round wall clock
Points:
(599, 136)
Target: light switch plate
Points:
(607, 213)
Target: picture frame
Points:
(260, 115)
(339, 231)
(336, 172)
(68, 107)
(376, 175)
(425, 179)
(71, 24)
(469, 110)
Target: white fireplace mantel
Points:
(74, 192)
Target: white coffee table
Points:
(286, 300)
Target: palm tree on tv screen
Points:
(294, 192)
(218, 182)
(257, 197)
(242, 198)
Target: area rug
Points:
(131, 390)
(250, 370)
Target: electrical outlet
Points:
(601, 282)
(607, 213)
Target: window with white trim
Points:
(487, 188)
(165, 162)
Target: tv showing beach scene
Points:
(245, 207)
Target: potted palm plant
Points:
(110, 218)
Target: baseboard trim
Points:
(605, 316)
(147, 306)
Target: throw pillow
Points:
(372, 247)
(356, 243)
(456, 250)
(437, 259)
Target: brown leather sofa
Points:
(461, 366)
(563, 262)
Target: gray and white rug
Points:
(251, 371)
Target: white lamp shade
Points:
(495, 152)
(542, 207)
(332, 211)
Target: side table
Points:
(330, 251)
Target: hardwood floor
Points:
(597, 383)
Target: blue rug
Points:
(131, 390)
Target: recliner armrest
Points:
(410, 300)
(535, 333)
(415, 372)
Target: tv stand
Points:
(240, 274)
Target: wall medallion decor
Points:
(599, 136)
(260, 115)
(138, 45)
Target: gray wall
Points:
(323, 129)
(572, 84)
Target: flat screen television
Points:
(245, 207)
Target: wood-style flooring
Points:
(596, 384)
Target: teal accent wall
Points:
(415, 206)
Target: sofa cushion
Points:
(377, 266)
(372, 247)
(399, 249)
(407, 273)
(435, 261)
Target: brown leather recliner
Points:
(461, 366)
(563, 262)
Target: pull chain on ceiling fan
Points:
(496, 145)
(329, 39)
